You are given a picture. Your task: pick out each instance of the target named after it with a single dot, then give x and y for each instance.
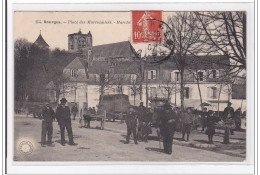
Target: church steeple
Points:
(41, 42)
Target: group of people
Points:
(87, 112)
(168, 121)
(139, 121)
(63, 117)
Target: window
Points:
(187, 92)
(175, 76)
(214, 74)
(212, 92)
(114, 64)
(82, 43)
(152, 75)
(133, 77)
(200, 76)
(73, 72)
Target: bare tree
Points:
(135, 85)
(186, 36)
(104, 78)
(168, 87)
(225, 35)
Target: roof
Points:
(114, 50)
(122, 67)
(196, 62)
(41, 42)
(76, 63)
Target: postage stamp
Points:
(146, 26)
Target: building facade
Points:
(114, 69)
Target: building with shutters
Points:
(114, 69)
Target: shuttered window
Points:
(73, 72)
(212, 92)
(187, 92)
(175, 76)
(152, 75)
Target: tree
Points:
(135, 85)
(104, 77)
(169, 87)
(226, 35)
(22, 63)
(186, 36)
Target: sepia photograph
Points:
(132, 86)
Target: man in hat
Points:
(167, 127)
(141, 119)
(131, 123)
(187, 120)
(48, 116)
(229, 114)
(228, 111)
(63, 118)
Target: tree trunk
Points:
(134, 99)
(101, 94)
(146, 90)
(198, 84)
(219, 97)
(182, 89)
(141, 85)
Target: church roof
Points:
(122, 49)
(41, 42)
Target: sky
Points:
(26, 26)
(118, 27)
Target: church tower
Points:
(79, 42)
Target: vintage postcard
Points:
(146, 86)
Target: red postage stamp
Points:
(146, 26)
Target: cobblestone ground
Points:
(108, 145)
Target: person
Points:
(203, 118)
(74, 111)
(92, 110)
(187, 120)
(48, 116)
(237, 118)
(141, 120)
(64, 121)
(229, 126)
(211, 120)
(87, 117)
(131, 123)
(167, 127)
(229, 114)
(243, 121)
